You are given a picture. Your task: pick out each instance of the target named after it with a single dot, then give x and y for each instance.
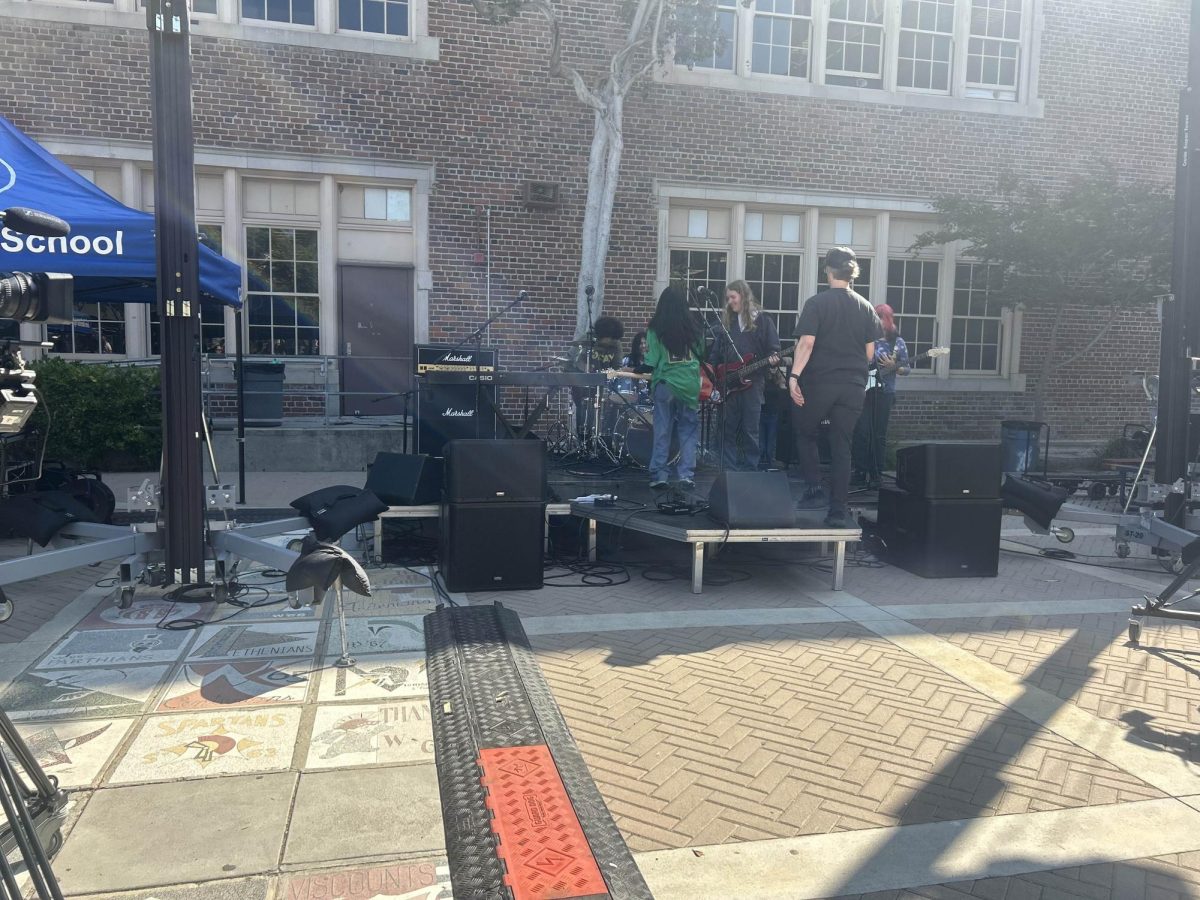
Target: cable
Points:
(1067, 555)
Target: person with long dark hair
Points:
(753, 337)
(674, 345)
(835, 341)
(870, 434)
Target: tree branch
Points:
(557, 68)
(1112, 318)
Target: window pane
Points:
(781, 39)
(975, 329)
(925, 46)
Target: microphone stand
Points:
(704, 294)
(476, 338)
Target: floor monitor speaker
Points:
(402, 479)
(950, 471)
(752, 500)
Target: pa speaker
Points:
(950, 471)
(400, 479)
(940, 538)
(495, 472)
(492, 546)
(752, 500)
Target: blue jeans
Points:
(740, 417)
(672, 415)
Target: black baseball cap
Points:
(839, 257)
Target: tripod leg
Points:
(24, 832)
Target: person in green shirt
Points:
(674, 345)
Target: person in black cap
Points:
(835, 342)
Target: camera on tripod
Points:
(28, 297)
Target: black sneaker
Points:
(687, 485)
(658, 485)
(813, 498)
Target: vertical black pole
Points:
(241, 406)
(1181, 313)
(178, 289)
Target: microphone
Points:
(589, 290)
(32, 221)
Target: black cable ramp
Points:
(522, 815)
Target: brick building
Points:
(353, 149)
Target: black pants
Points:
(841, 404)
(740, 416)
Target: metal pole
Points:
(178, 288)
(240, 380)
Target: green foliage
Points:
(1102, 240)
(105, 417)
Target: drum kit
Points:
(611, 424)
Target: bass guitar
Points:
(722, 381)
(873, 377)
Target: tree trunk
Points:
(1049, 368)
(604, 165)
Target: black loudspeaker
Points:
(1038, 501)
(752, 500)
(400, 479)
(495, 471)
(940, 538)
(492, 546)
(958, 471)
(446, 412)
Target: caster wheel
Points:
(54, 844)
(294, 600)
(1064, 534)
(1135, 631)
(1122, 550)
(220, 592)
(1113, 490)
(6, 607)
(1097, 490)
(125, 598)
(1172, 563)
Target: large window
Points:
(977, 324)
(98, 328)
(775, 280)
(293, 12)
(212, 317)
(968, 50)
(782, 37)
(912, 293)
(862, 284)
(691, 269)
(375, 16)
(854, 45)
(283, 303)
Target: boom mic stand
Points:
(705, 295)
(476, 338)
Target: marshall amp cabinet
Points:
(447, 412)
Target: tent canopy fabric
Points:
(110, 249)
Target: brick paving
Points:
(707, 736)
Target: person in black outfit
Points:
(835, 342)
(754, 335)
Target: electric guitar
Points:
(732, 378)
(874, 380)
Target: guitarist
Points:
(754, 338)
(870, 434)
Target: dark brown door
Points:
(376, 312)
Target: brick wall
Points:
(487, 115)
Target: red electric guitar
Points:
(725, 380)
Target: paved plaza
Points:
(769, 738)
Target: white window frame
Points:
(883, 42)
(228, 23)
(961, 97)
(743, 199)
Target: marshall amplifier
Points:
(447, 412)
(445, 358)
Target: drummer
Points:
(605, 352)
(635, 359)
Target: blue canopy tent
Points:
(110, 250)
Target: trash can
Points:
(263, 390)
(1020, 445)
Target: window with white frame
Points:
(691, 269)
(964, 49)
(782, 37)
(977, 325)
(291, 12)
(212, 316)
(862, 284)
(854, 43)
(374, 16)
(775, 279)
(283, 300)
(912, 293)
(98, 328)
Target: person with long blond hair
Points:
(752, 336)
